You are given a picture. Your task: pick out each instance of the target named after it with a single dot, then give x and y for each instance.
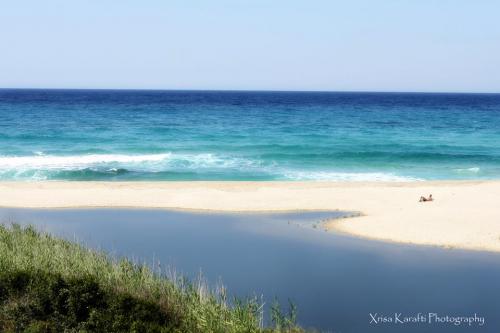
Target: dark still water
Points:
(336, 281)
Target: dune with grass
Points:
(49, 284)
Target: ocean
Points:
(217, 135)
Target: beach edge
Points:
(464, 215)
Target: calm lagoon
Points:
(338, 282)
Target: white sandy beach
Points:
(465, 214)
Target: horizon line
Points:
(256, 90)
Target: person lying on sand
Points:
(424, 199)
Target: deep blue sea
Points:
(213, 135)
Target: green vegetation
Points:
(53, 285)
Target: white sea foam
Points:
(347, 176)
(148, 162)
(39, 166)
(72, 162)
(207, 160)
(473, 170)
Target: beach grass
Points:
(48, 284)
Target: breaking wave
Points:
(170, 166)
(40, 161)
(40, 166)
(472, 170)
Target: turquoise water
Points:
(176, 135)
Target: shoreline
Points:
(465, 214)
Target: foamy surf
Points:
(152, 166)
(41, 161)
(41, 166)
(472, 170)
(348, 176)
(181, 165)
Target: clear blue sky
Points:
(384, 45)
